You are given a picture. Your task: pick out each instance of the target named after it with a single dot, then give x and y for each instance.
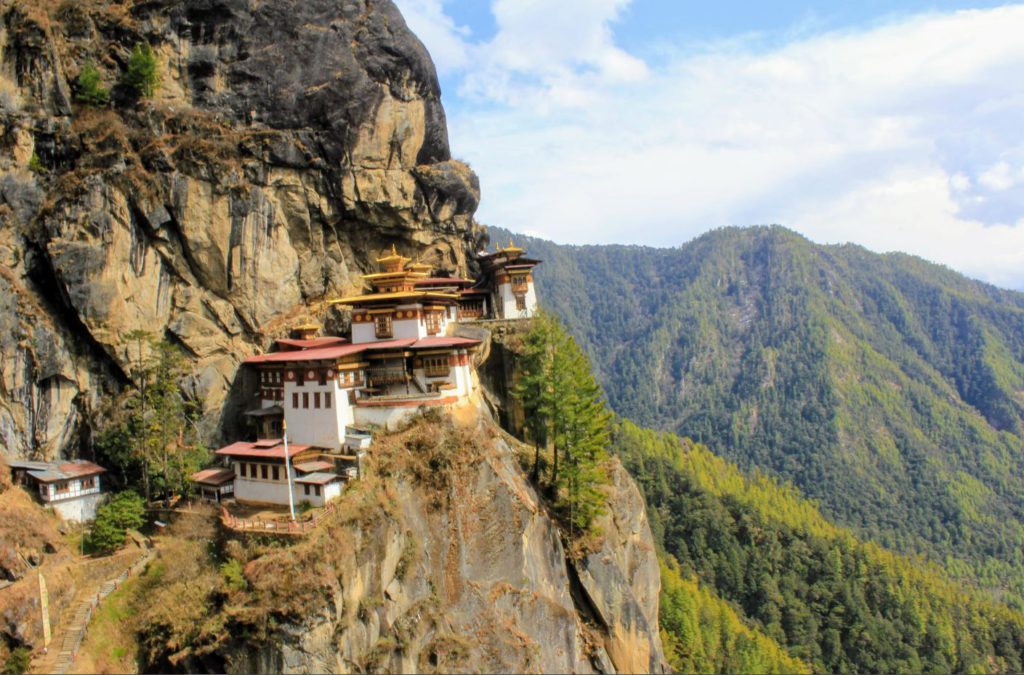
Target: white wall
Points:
(79, 509)
(327, 493)
(322, 427)
(258, 490)
(508, 303)
(402, 328)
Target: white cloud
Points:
(904, 137)
(446, 41)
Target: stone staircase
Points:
(75, 621)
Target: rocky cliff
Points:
(442, 559)
(287, 144)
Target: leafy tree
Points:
(89, 88)
(125, 511)
(142, 76)
(150, 436)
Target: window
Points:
(436, 366)
(88, 483)
(61, 487)
(295, 399)
(520, 303)
(300, 377)
(274, 473)
(305, 399)
(263, 471)
(252, 471)
(316, 400)
(323, 377)
(382, 325)
(305, 488)
(327, 400)
(316, 490)
(433, 323)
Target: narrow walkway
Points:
(75, 620)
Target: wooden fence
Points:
(299, 527)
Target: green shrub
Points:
(142, 76)
(233, 576)
(19, 661)
(35, 165)
(88, 89)
(125, 511)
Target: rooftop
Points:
(273, 449)
(318, 478)
(49, 472)
(336, 352)
(214, 476)
(313, 467)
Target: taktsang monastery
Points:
(402, 356)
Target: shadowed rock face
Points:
(288, 143)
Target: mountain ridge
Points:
(888, 388)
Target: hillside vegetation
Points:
(831, 599)
(887, 388)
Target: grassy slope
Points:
(889, 389)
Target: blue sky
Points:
(895, 125)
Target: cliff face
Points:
(287, 144)
(442, 559)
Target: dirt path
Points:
(74, 620)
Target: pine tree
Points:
(89, 89)
(565, 408)
(142, 75)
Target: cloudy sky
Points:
(897, 125)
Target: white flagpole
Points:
(288, 469)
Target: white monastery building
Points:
(70, 488)
(401, 357)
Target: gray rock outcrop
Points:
(288, 143)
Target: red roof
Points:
(335, 352)
(311, 467)
(317, 354)
(312, 343)
(244, 449)
(214, 476)
(79, 468)
(435, 342)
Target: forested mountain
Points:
(830, 599)
(888, 388)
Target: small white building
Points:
(71, 488)
(509, 276)
(261, 473)
(216, 484)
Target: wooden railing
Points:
(378, 376)
(274, 526)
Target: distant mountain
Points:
(888, 388)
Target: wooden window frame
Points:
(433, 322)
(316, 400)
(383, 326)
(305, 400)
(295, 400)
(437, 366)
(327, 400)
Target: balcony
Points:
(383, 376)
